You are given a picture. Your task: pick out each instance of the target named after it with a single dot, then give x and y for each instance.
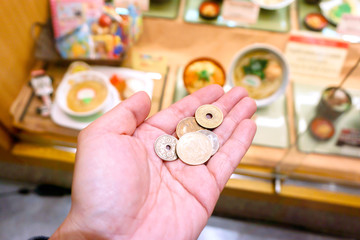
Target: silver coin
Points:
(213, 139)
(165, 147)
(194, 148)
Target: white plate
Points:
(61, 118)
(138, 81)
(326, 6)
(275, 6)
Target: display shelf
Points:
(269, 20)
(306, 100)
(26, 119)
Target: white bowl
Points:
(70, 80)
(284, 65)
(275, 6)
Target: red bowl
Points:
(211, 6)
(315, 21)
(322, 128)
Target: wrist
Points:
(67, 230)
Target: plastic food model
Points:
(202, 72)
(322, 128)
(259, 72)
(86, 96)
(315, 21)
(209, 10)
(334, 102)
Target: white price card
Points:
(242, 12)
(349, 25)
(316, 56)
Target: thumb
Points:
(126, 116)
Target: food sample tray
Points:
(271, 121)
(306, 98)
(304, 9)
(163, 9)
(269, 20)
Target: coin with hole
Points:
(187, 125)
(209, 116)
(213, 139)
(165, 147)
(194, 148)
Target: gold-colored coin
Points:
(187, 125)
(165, 147)
(213, 139)
(194, 148)
(209, 116)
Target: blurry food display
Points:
(321, 128)
(209, 10)
(315, 21)
(202, 72)
(262, 70)
(85, 96)
(333, 10)
(334, 102)
(83, 93)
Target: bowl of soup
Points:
(201, 72)
(83, 94)
(262, 70)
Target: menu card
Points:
(314, 55)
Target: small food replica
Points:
(315, 21)
(322, 128)
(333, 103)
(209, 10)
(194, 146)
(262, 70)
(83, 93)
(86, 95)
(202, 72)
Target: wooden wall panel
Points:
(16, 48)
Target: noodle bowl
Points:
(262, 71)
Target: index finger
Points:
(167, 119)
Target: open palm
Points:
(123, 190)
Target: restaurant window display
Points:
(297, 60)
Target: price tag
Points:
(242, 12)
(349, 25)
(314, 55)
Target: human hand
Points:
(123, 190)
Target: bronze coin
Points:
(165, 147)
(209, 116)
(187, 125)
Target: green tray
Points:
(269, 20)
(167, 9)
(306, 98)
(272, 125)
(304, 9)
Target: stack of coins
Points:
(197, 143)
